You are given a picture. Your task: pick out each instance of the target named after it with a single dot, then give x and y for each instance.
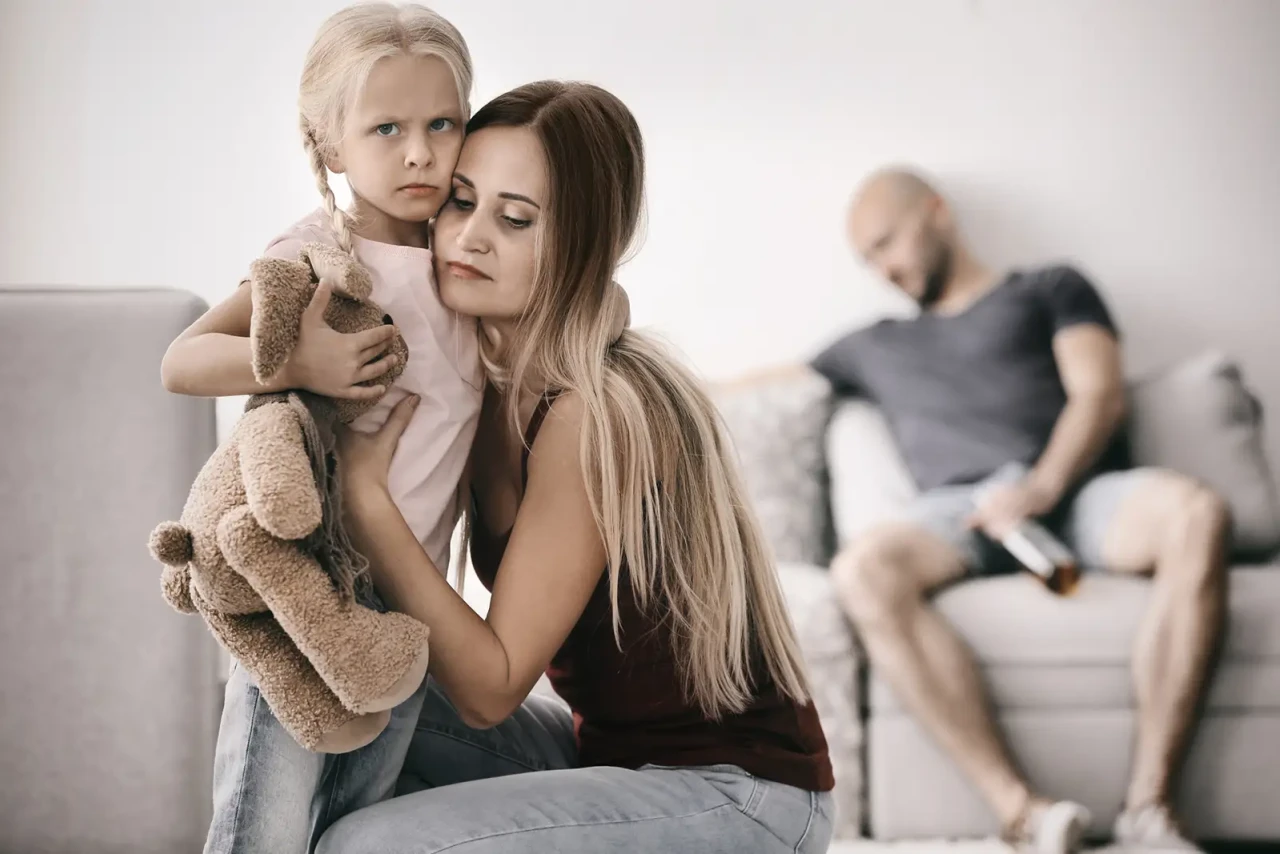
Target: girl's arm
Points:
(553, 562)
(213, 358)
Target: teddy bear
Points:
(260, 552)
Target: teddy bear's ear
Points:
(335, 266)
(281, 291)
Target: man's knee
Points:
(1195, 522)
(1202, 511)
(875, 577)
(1200, 519)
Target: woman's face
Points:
(485, 234)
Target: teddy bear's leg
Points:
(373, 661)
(297, 696)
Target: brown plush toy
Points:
(260, 552)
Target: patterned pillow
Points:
(778, 427)
(833, 658)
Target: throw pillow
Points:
(1199, 418)
(778, 426)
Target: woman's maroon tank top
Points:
(627, 703)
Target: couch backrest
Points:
(110, 698)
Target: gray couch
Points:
(822, 470)
(110, 699)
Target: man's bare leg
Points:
(1176, 529)
(882, 583)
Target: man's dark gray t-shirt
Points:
(966, 393)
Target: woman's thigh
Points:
(705, 810)
(537, 737)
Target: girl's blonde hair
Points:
(338, 65)
(662, 478)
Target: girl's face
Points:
(486, 234)
(401, 142)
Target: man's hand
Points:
(1002, 508)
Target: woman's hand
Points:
(364, 459)
(332, 363)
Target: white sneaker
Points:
(1150, 829)
(1055, 828)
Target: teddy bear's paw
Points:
(354, 734)
(404, 686)
(375, 663)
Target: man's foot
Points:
(1151, 828)
(1047, 827)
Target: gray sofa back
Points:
(110, 699)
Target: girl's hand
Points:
(620, 304)
(364, 459)
(332, 363)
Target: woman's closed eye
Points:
(516, 222)
(461, 203)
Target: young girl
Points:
(611, 526)
(383, 100)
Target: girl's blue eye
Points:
(388, 129)
(441, 125)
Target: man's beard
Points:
(935, 281)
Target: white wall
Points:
(149, 142)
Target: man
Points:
(1007, 399)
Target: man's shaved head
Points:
(894, 186)
(898, 224)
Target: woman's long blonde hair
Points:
(662, 479)
(345, 49)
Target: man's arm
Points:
(1089, 362)
(1088, 358)
(764, 376)
(838, 364)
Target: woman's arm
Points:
(552, 564)
(213, 357)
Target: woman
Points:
(608, 520)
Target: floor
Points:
(923, 846)
(993, 846)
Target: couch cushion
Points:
(1198, 418)
(778, 427)
(1038, 650)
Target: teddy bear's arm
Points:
(277, 474)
